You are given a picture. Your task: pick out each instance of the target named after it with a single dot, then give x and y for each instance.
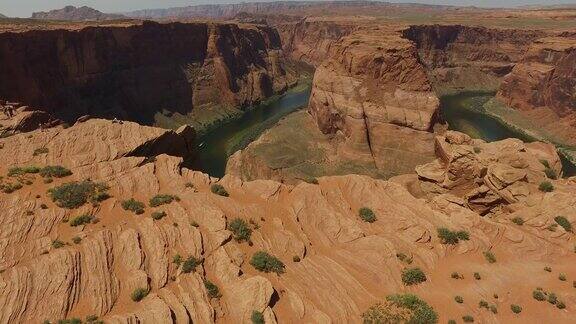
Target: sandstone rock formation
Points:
(345, 265)
(75, 14)
(168, 74)
(373, 90)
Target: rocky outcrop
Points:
(350, 264)
(542, 86)
(167, 74)
(75, 14)
(469, 58)
(487, 176)
(373, 90)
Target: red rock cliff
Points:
(135, 72)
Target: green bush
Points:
(459, 299)
(265, 262)
(483, 304)
(367, 215)
(477, 276)
(538, 295)
(563, 221)
(219, 190)
(516, 309)
(452, 237)
(158, 215)
(240, 230)
(177, 260)
(212, 289)
(38, 151)
(380, 313)
(413, 276)
(552, 298)
(138, 294)
(10, 187)
(57, 244)
(550, 174)
(133, 205)
(70, 321)
(257, 317)
(295, 258)
(490, 257)
(19, 171)
(468, 319)
(421, 311)
(546, 186)
(455, 275)
(159, 200)
(547, 269)
(190, 264)
(562, 277)
(55, 171)
(518, 221)
(81, 220)
(75, 194)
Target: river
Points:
(216, 146)
(464, 113)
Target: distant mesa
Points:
(72, 13)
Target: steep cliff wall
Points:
(165, 73)
(469, 58)
(373, 90)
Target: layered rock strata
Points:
(168, 74)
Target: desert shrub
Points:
(57, 244)
(177, 260)
(219, 190)
(495, 296)
(55, 171)
(159, 200)
(212, 289)
(547, 269)
(19, 171)
(518, 221)
(562, 277)
(545, 163)
(81, 220)
(490, 257)
(381, 313)
(265, 262)
(75, 194)
(477, 276)
(463, 235)
(455, 275)
(295, 258)
(451, 321)
(43, 206)
(10, 187)
(257, 317)
(190, 264)
(76, 240)
(516, 309)
(93, 319)
(158, 215)
(483, 304)
(538, 295)
(459, 299)
(421, 311)
(468, 319)
(367, 215)
(413, 276)
(563, 221)
(240, 230)
(138, 294)
(550, 174)
(133, 205)
(452, 237)
(70, 321)
(560, 305)
(552, 298)
(41, 150)
(546, 186)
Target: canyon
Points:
(363, 205)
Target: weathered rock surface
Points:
(373, 90)
(346, 264)
(169, 74)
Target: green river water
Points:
(463, 112)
